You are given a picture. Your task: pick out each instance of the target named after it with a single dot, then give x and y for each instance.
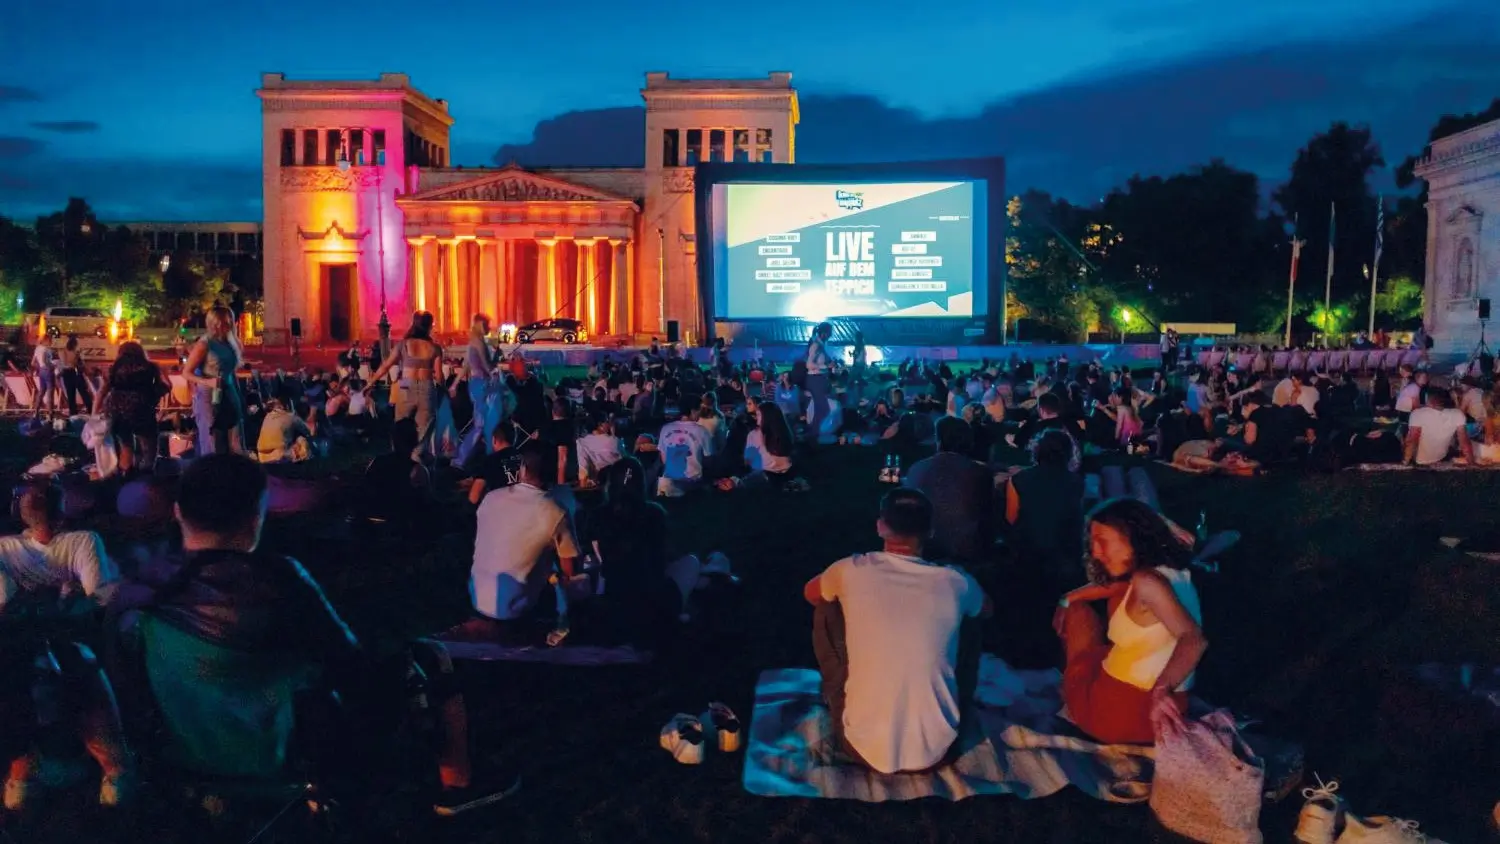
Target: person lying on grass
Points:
(1126, 673)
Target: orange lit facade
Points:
(362, 205)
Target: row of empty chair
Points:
(1321, 360)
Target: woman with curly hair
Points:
(1126, 679)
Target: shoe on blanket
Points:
(683, 738)
(1382, 830)
(1320, 814)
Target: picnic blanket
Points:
(565, 654)
(1445, 466)
(1014, 744)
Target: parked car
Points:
(559, 330)
(79, 322)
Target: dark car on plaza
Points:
(560, 330)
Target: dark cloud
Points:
(71, 127)
(125, 190)
(18, 94)
(12, 146)
(1252, 109)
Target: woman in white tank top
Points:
(1128, 671)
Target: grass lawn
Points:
(1338, 586)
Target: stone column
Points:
(619, 284)
(417, 282)
(505, 296)
(449, 303)
(489, 279)
(585, 308)
(546, 277)
(431, 278)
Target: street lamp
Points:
(344, 165)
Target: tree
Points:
(1189, 247)
(1333, 170)
(1049, 274)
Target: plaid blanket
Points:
(1445, 466)
(1014, 744)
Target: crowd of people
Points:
(213, 639)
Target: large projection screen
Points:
(874, 249)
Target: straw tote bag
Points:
(1208, 783)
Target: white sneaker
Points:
(1320, 814)
(1382, 830)
(16, 792)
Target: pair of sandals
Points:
(687, 737)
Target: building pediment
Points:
(513, 184)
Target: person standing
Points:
(218, 407)
(419, 360)
(44, 364)
(819, 372)
(75, 387)
(480, 375)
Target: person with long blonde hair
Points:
(218, 404)
(483, 379)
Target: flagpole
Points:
(1291, 284)
(1328, 283)
(1379, 247)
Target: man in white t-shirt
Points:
(1293, 390)
(1410, 397)
(43, 560)
(1432, 429)
(682, 444)
(598, 450)
(898, 654)
(521, 530)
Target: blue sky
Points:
(146, 108)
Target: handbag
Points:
(1208, 782)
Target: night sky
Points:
(146, 108)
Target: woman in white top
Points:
(1126, 679)
(768, 451)
(713, 422)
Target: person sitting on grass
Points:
(1432, 429)
(396, 486)
(963, 494)
(895, 643)
(521, 530)
(500, 468)
(50, 576)
(768, 452)
(228, 635)
(598, 450)
(1125, 680)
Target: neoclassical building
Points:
(1462, 172)
(363, 208)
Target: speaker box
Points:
(674, 331)
(297, 327)
(1484, 309)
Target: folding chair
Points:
(1244, 361)
(1317, 361)
(1216, 358)
(19, 395)
(1281, 362)
(1412, 358)
(1298, 362)
(1356, 360)
(1338, 359)
(1392, 359)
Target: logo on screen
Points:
(849, 200)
